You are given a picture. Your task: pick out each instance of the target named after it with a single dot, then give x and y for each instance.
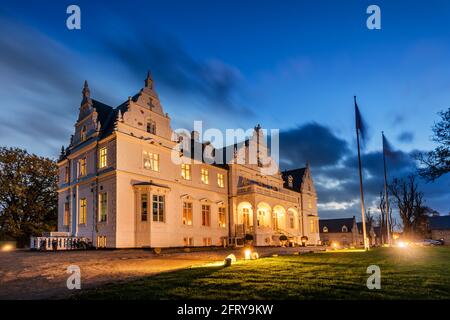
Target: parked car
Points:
(430, 242)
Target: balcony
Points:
(285, 195)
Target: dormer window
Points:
(290, 182)
(325, 229)
(151, 127)
(83, 133)
(344, 229)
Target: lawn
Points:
(406, 273)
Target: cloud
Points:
(406, 137)
(212, 80)
(311, 142)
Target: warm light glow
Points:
(402, 244)
(232, 257)
(335, 244)
(248, 254)
(7, 247)
(395, 236)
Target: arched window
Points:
(344, 229)
(151, 126)
(325, 229)
(83, 133)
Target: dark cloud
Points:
(174, 68)
(406, 137)
(311, 142)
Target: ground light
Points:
(7, 247)
(248, 254)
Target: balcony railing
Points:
(282, 195)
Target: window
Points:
(222, 218)
(325, 229)
(188, 242)
(220, 182)
(103, 158)
(66, 174)
(151, 127)
(205, 176)
(291, 222)
(101, 241)
(151, 161)
(82, 167)
(187, 213)
(310, 203)
(144, 207)
(312, 226)
(275, 221)
(83, 211)
(291, 182)
(206, 242)
(186, 171)
(206, 215)
(261, 215)
(103, 207)
(158, 208)
(344, 229)
(66, 214)
(83, 133)
(246, 216)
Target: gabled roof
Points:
(439, 223)
(335, 225)
(297, 176)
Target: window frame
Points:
(220, 180)
(82, 219)
(204, 175)
(144, 209)
(222, 212)
(160, 208)
(206, 215)
(153, 159)
(103, 157)
(186, 171)
(103, 207)
(187, 214)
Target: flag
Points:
(360, 123)
(388, 150)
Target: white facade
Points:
(120, 188)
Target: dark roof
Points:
(297, 176)
(335, 225)
(439, 223)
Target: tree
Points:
(382, 218)
(437, 162)
(409, 201)
(28, 196)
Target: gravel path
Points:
(43, 275)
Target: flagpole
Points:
(366, 245)
(386, 192)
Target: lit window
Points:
(220, 182)
(205, 176)
(151, 127)
(82, 167)
(151, 161)
(261, 215)
(206, 242)
(101, 241)
(246, 217)
(186, 171)
(325, 229)
(66, 214)
(206, 215)
(144, 207)
(188, 242)
(103, 158)
(83, 211)
(187, 213)
(103, 206)
(222, 218)
(312, 226)
(310, 203)
(291, 222)
(158, 208)
(66, 174)
(83, 133)
(344, 229)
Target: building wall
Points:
(441, 234)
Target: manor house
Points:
(120, 187)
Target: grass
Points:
(410, 273)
